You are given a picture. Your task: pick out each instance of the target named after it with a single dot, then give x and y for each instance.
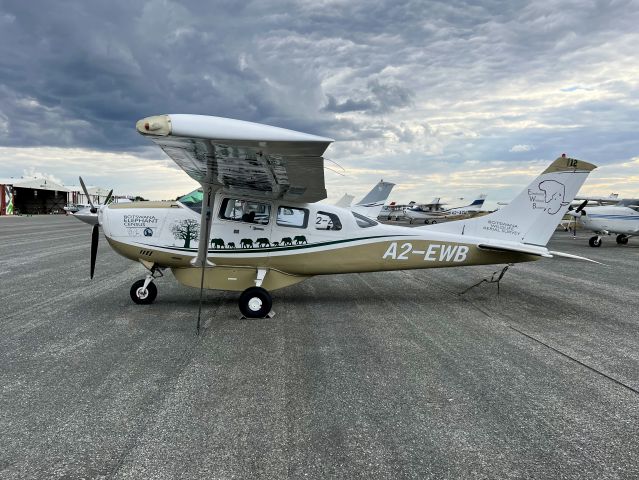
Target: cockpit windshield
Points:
(193, 200)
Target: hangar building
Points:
(31, 196)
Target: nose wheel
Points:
(595, 241)
(144, 291)
(255, 302)
(143, 294)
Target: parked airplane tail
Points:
(533, 215)
(373, 202)
(345, 201)
(479, 201)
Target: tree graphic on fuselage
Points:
(186, 230)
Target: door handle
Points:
(257, 228)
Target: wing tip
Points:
(157, 125)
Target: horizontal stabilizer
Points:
(574, 257)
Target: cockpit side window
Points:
(292, 217)
(364, 222)
(193, 200)
(246, 211)
(327, 221)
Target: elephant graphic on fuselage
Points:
(217, 243)
(246, 243)
(263, 242)
(231, 245)
(300, 240)
(287, 241)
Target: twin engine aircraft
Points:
(256, 225)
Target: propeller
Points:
(86, 192)
(94, 247)
(577, 212)
(95, 234)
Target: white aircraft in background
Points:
(433, 212)
(232, 235)
(611, 199)
(394, 211)
(621, 219)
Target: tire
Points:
(426, 222)
(255, 302)
(622, 239)
(138, 297)
(433, 222)
(594, 242)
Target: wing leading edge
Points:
(242, 157)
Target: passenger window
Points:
(246, 211)
(292, 217)
(327, 221)
(363, 222)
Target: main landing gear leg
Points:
(256, 302)
(144, 292)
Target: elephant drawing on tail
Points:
(246, 243)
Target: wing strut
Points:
(203, 247)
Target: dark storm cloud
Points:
(381, 98)
(461, 75)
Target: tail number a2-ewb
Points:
(434, 252)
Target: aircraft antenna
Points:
(338, 165)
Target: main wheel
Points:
(141, 296)
(255, 302)
(426, 222)
(622, 239)
(433, 222)
(594, 241)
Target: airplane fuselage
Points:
(611, 219)
(291, 241)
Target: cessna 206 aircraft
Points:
(432, 212)
(622, 219)
(255, 227)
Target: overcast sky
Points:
(446, 99)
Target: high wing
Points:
(242, 157)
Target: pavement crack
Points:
(570, 357)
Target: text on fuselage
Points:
(434, 252)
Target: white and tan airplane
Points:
(255, 225)
(434, 212)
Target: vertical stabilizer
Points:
(345, 201)
(534, 214)
(373, 202)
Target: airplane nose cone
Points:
(85, 215)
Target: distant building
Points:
(43, 196)
(32, 196)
